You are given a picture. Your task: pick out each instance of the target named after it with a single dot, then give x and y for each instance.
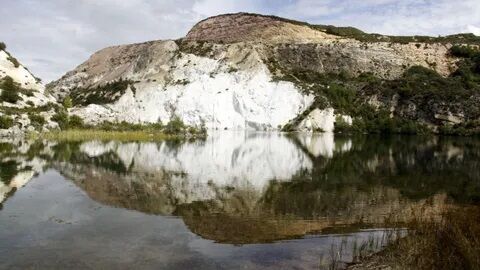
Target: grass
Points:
(448, 241)
(74, 135)
(123, 131)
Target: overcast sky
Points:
(53, 36)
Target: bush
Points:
(3, 47)
(102, 94)
(463, 51)
(37, 120)
(75, 122)
(62, 119)
(67, 102)
(5, 122)
(10, 91)
(175, 126)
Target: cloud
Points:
(473, 29)
(397, 17)
(53, 36)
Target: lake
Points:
(236, 200)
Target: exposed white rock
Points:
(36, 98)
(322, 120)
(319, 120)
(19, 74)
(204, 92)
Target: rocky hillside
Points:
(24, 106)
(249, 71)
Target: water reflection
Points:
(248, 188)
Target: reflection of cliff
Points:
(222, 190)
(243, 215)
(190, 171)
(17, 167)
(252, 188)
(235, 228)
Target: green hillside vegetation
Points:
(101, 94)
(424, 88)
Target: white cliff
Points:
(208, 94)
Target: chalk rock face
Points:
(222, 101)
(231, 90)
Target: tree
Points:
(3, 46)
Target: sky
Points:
(51, 37)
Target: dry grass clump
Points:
(102, 135)
(448, 241)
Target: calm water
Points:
(233, 201)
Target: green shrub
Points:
(175, 126)
(67, 102)
(61, 118)
(3, 47)
(5, 122)
(75, 122)
(10, 90)
(102, 94)
(37, 120)
(463, 51)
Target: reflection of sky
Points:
(52, 224)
